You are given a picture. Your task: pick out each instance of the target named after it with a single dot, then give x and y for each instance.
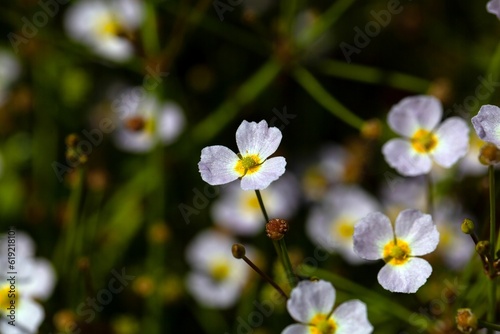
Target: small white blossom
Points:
(414, 235)
(256, 142)
(312, 304)
(487, 124)
(426, 141)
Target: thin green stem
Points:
(261, 204)
(430, 195)
(490, 326)
(314, 88)
(265, 276)
(492, 293)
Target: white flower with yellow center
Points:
(34, 280)
(144, 121)
(103, 25)
(331, 224)
(239, 211)
(311, 303)
(217, 277)
(417, 119)
(414, 235)
(256, 142)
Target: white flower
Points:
(34, 279)
(239, 211)
(10, 70)
(256, 142)
(145, 121)
(415, 235)
(101, 25)
(311, 304)
(217, 277)
(331, 225)
(399, 193)
(417, 119)
(470, 164)
(487, 124)
(493, 7)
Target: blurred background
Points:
(106, 105)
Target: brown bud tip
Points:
(238, 251)
(71, 140)
(135, 124)
(467, 226)
(276, 228)
(466, 320)
(483, 247)
(371, 129)
(489, 154)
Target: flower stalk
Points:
(492, 292)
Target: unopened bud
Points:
(371, 129)
(483, 247)
(467, 226)
(489, 154)
(238, 251)
(466, 320)
(276, 228)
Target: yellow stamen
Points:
(321, 324)
(248, 164)
(396, 254)
(344, 228)
(220, 271)
(424, 141)
(8, 297)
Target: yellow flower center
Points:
(220, 271)
(8, 297)
(248, 164)
(424, 141)
(396, 253)
(252, 202)
(108, 26)
(344, 228)
(321, 324)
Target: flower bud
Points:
(276, 228)
(466, 320)
(489, 154)
(238, 251)
(467, 226)
(483, 247)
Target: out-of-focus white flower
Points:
(34, 279)
(470, 164)
(10, 69)
(144, 121)
(493, 7)
(331, 224)
(239, 211)
(400, 193)
(256, 142)
(417, 119)
(217, 278)
(455, 247)
(311, 303)
(414, 235)
(103, 25)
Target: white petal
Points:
(493, 7)
(405, 278)
(134, 142)
(268, 172)
(217, 165)
(29, 315)
(25, 247)
(487, 124)
(39, 279)
(297, 329)
(351, 318)
(414, 113)
(418, 230)
(257, 138)
(400, 155)
(371, 234)
(453, 141)
(213, 294)
(170, 122)
(309, 298)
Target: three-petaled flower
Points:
(256, 142)
(311, 303)
(417, 118)
(415, 235)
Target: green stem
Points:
(489, 325)
(314, 88)
(261, 204)
(492, 294)
(430, 195)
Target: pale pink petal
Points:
(405, 278)
(414, 113)
(371, 234)
(309, 298)
(268, 172)
(217, 165)
(400, 155)
(453, 142)
(257, 138)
